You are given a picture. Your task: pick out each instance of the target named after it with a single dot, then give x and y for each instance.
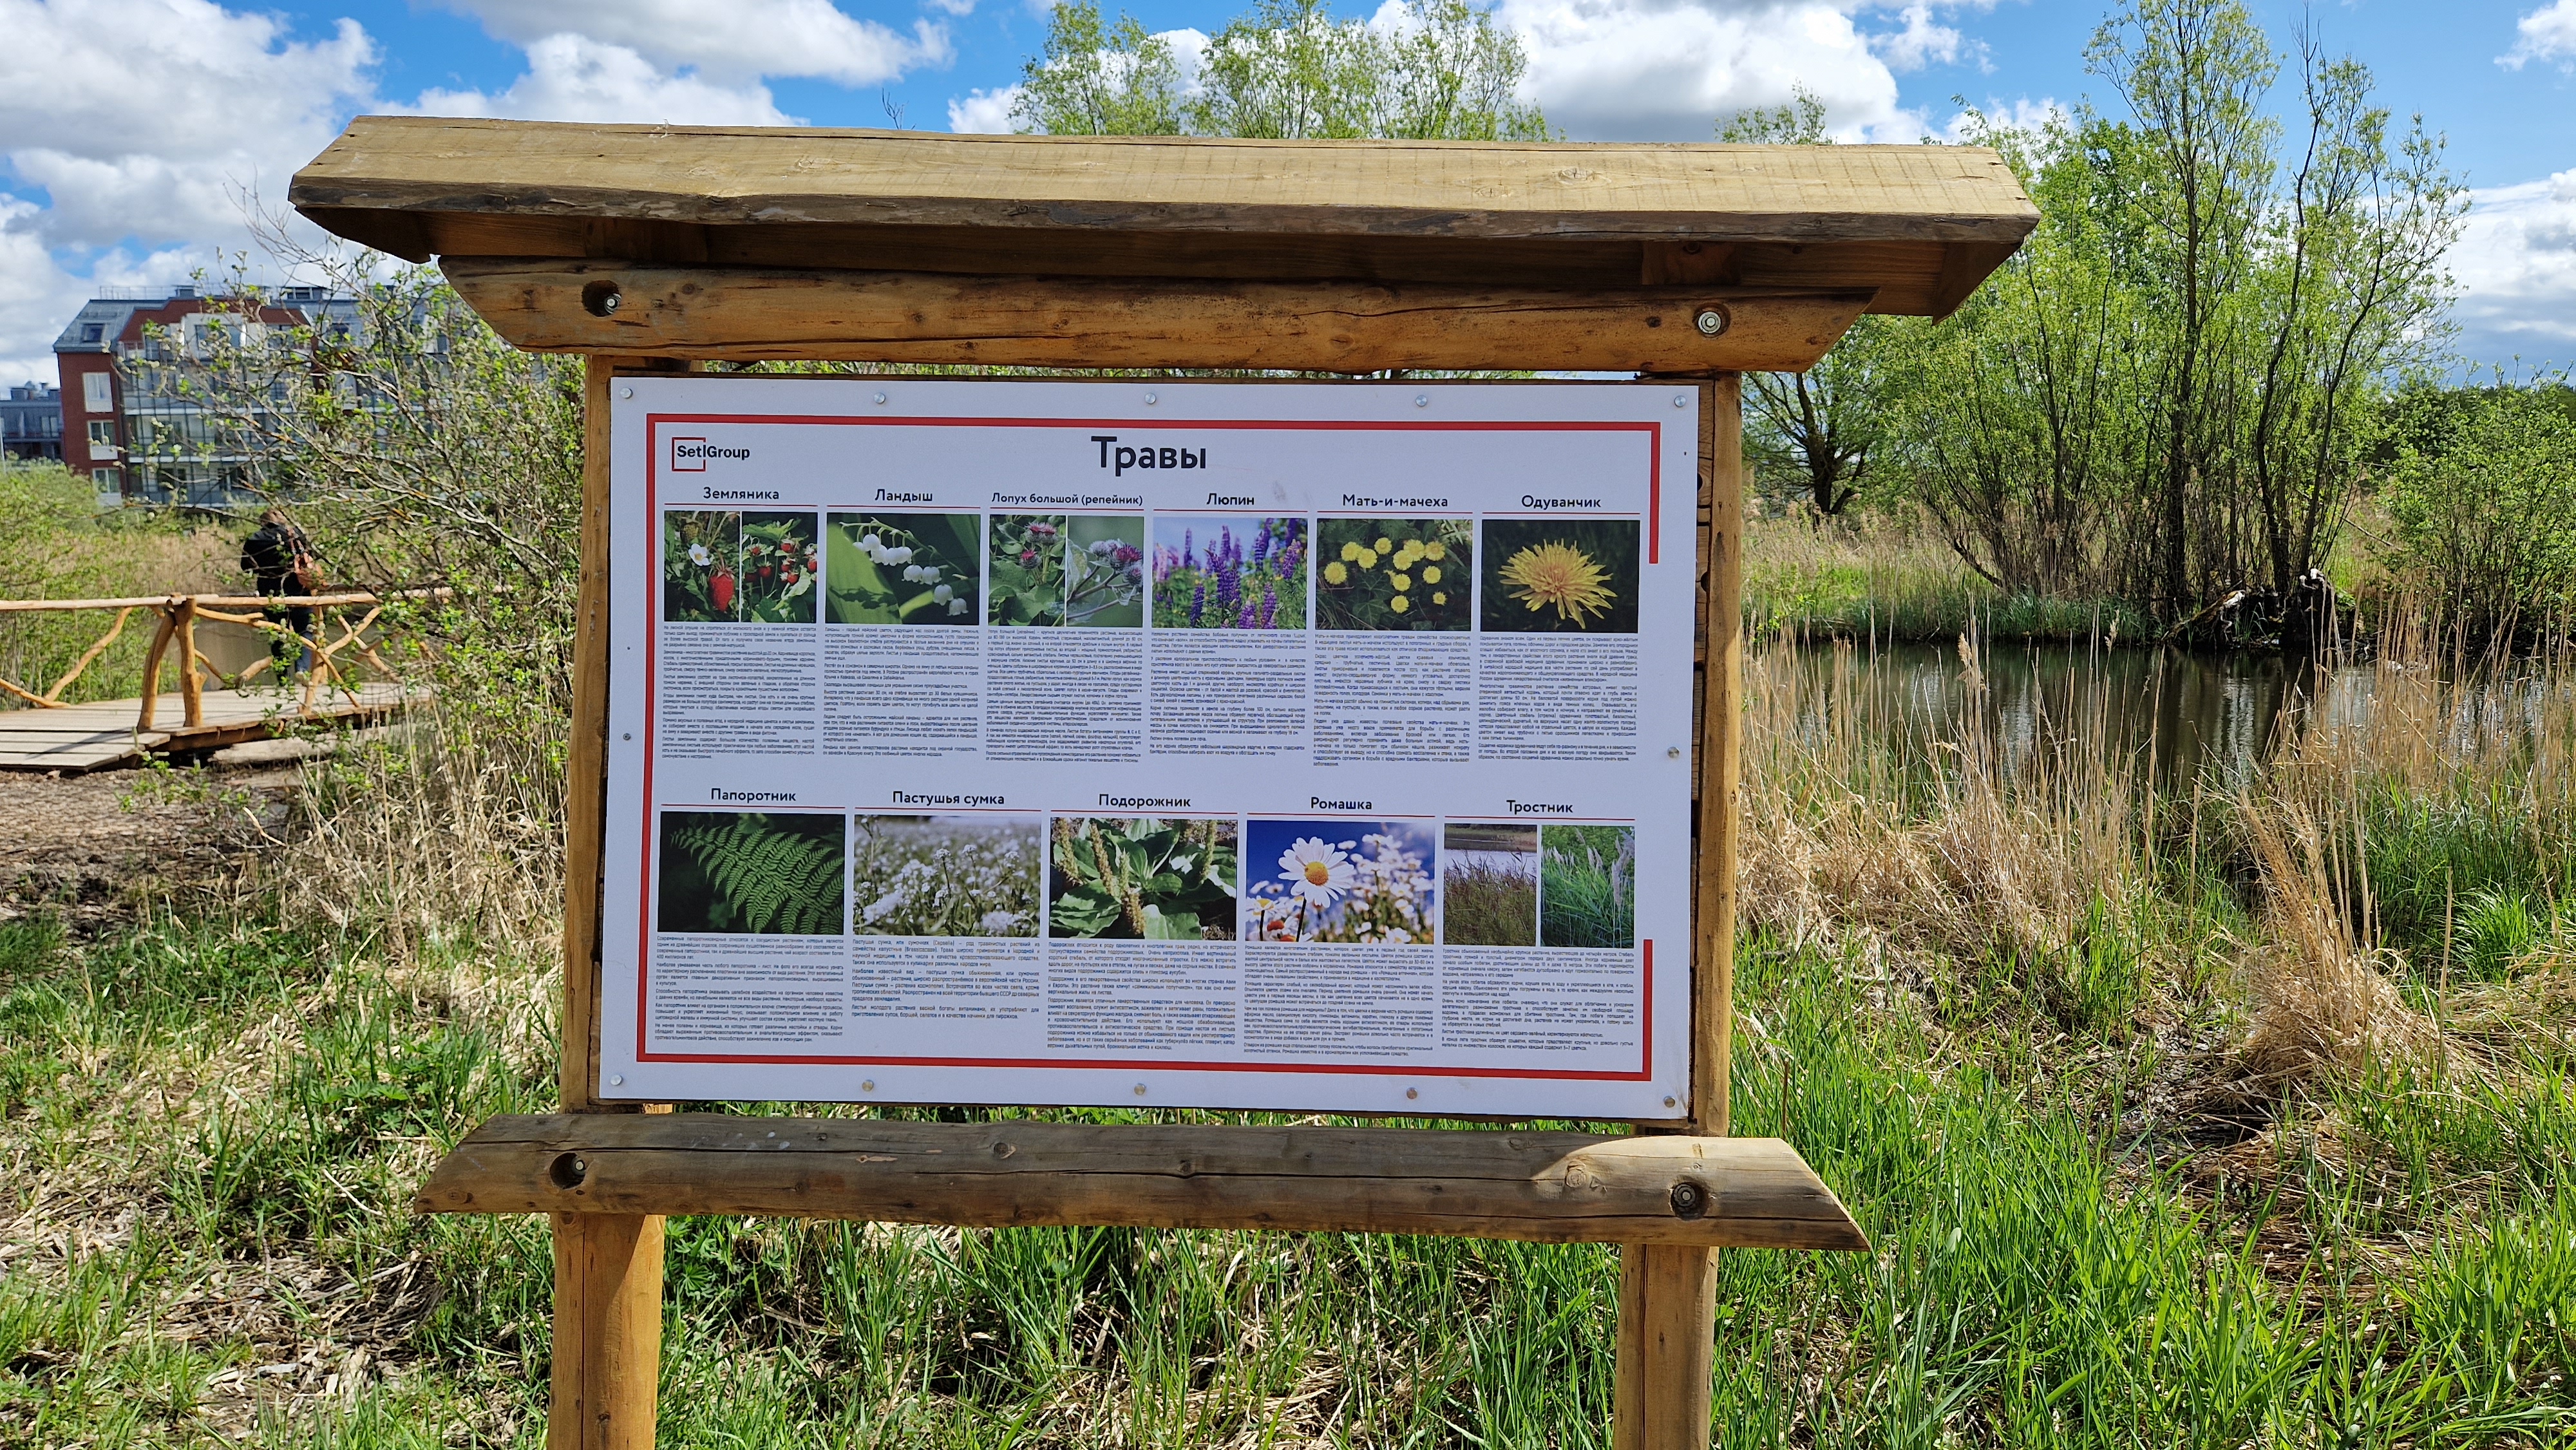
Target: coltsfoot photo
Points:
(1394, 573)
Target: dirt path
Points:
(90, 846)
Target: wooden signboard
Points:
(654, 249)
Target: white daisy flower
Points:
(1315, 871)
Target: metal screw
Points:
(880, 398)
(1673, 752)
(1711, 322)
(1672, 1102)
(630, 734)
(1152, 398)
(1422, 400)
(626, 392)
(1689, 1199)
(869, 1086)
(1140, 1089)
(1681, 400)
(1413, 1092)
(616, 1081)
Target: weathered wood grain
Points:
(1551, 1187)
(775, 176)
(551, 305)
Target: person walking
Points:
(279, 559)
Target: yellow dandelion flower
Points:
(1430, 573)
(1384, 545)
(1400, 603)
(1435, 551)
(1409, 549)
(1439, 596)
(1563, 576)
(1366, 558)
(1400, 582)
(1350, 551)
(1337, 572)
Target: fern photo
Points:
(751, 871)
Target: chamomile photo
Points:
(1333, 879)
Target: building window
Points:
(93, 331)
(96, 394)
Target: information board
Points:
(1228, 745)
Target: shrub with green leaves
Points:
(2484, 502)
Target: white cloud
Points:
(734, 43)
(2548, 33)
(2516, 267)
(1925, 41)
(1667, 70)
(983, 112)
(576, 78)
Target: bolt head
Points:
(1422, 400)
(1681, 400)
(869, 1086)
(626, 392)
(1711, 322)
(615, 1080)
(880, 399)
(1672, 1102)
(1152, 398)
(1413, 1092)
(1140, 1089)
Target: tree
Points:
(2482, 493)
(1816, 431)
(1287, 69)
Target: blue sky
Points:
(131, 129)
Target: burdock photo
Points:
(1572, 576)
(902, 568)
(1141, 877)
(750, 871)
(1588, 886)
(1394, 573)
(1321, 879)
(970, 874)
(1489, 885)
(1083, 569)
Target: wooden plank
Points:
(1551, 1187)
(1721, 723)
(1667, 1319)
(607, 1332)
(557, 305)
(740, 175)
(586, 757)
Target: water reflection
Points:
(2184, 716)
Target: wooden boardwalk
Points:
(77, 738)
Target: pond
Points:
(2184, 715)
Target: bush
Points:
(2483, 497)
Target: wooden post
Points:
(192, 686)
(1668, 1293)
(608, 1267)
(152, 666)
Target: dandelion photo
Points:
(902, 568)
(701, 565)
(1572, 575)
(1489, 885)
(780, 568)
(952, 875)
(1215, 572)
(1141, 878)
(1320, 879)
(1394, 573)
(1587, 886)
(750, 871)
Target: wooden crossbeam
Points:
(549, 304)
(1545, 1187)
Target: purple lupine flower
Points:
(1189, 549)
(1198, 600)
(1269, 607)
(1229, 585)
(1224, 546)
(1244, 620)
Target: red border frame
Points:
(652, 621)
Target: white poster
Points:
(1227, 745)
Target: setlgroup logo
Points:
(690, 455)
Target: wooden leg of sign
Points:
(1667, 1293)
(608, 1268)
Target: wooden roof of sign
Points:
(719, 242)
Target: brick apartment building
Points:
(31, 422)
(123, 420)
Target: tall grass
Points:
(1889, 579)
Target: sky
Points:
(137, 135)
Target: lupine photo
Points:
(1219, 572)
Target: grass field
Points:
(2167, 1131)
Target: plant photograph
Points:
(902, 568)
(1489, 885)
(1215, 572)
(1587, 886)
(750, 871)
(1054, 569)
(950, 875)
(701, 565)
(1394, 573)
(1329, 880)
(1141, 878)
(781, 567)
(1549, 575)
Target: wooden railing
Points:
(179, 614)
